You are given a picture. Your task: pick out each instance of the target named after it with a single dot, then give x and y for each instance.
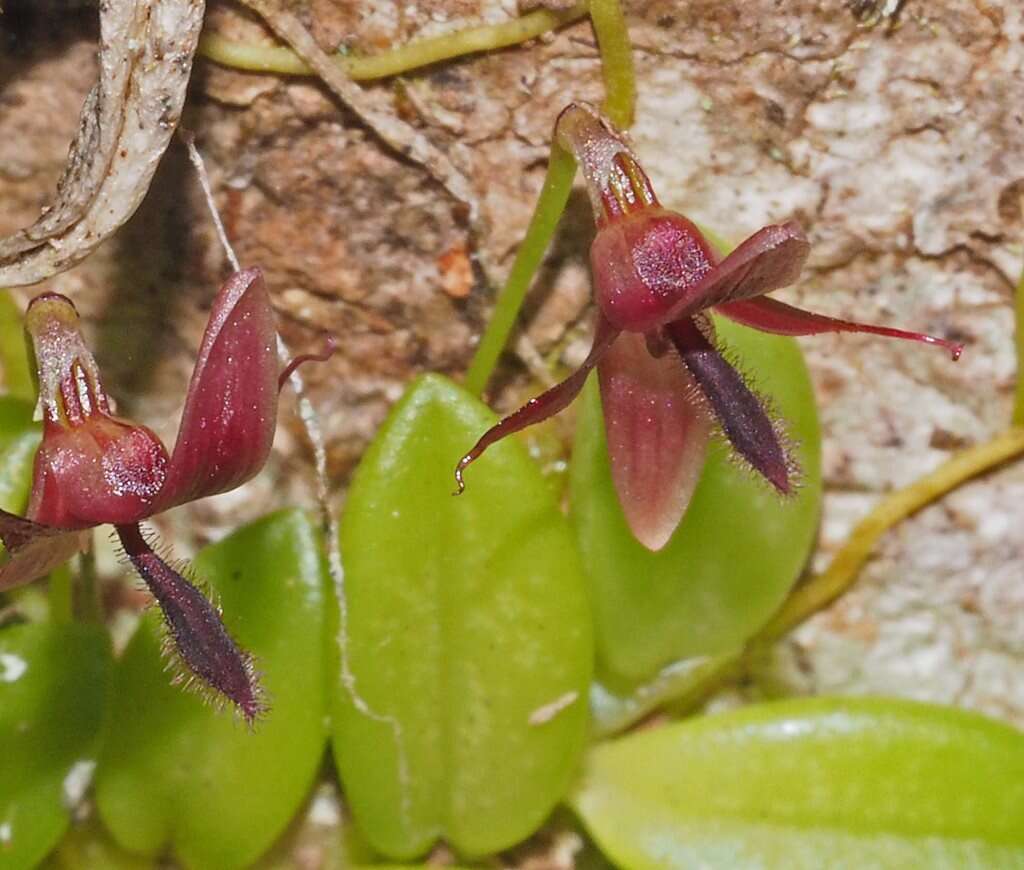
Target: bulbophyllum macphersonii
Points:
(94, 468)
(666, 382)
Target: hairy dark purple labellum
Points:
(741, 413)
(199, 635)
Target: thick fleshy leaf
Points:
(771, 315)
(325, 831)
(227, 427)
(53, 685)
(19, 438)
(177, 773)
(546, 405)
(89, 847)
(16, 373)
(468, 633)
(808, 784)
(657, 431)
(733, 558)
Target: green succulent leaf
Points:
(53, 682)
(176, 772)
(15, 374)
(736, 553)
(19, 438)
(469, 636)
(808, 784)
(89, 847)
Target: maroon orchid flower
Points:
(665, 380)
(93, 467)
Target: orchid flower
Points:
(93, 467)
(666, 382)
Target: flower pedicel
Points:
(665, 380)
(93, 467)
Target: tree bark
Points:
(897, 143)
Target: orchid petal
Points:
(227, 427)
(739, 410)
(196, 629)
(770, 259)
(545, 405)
(34, 550)
(657, 430)
(770, 315)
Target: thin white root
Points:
(204, 181)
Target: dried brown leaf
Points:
(146, 50)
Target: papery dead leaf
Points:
(146, 50)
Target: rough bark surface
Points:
(899, 146)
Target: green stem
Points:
(616, 61)
(620, 103)
(404, 58)
(1018, 402)
(546, 214)
(59, 595)
(90, 607)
